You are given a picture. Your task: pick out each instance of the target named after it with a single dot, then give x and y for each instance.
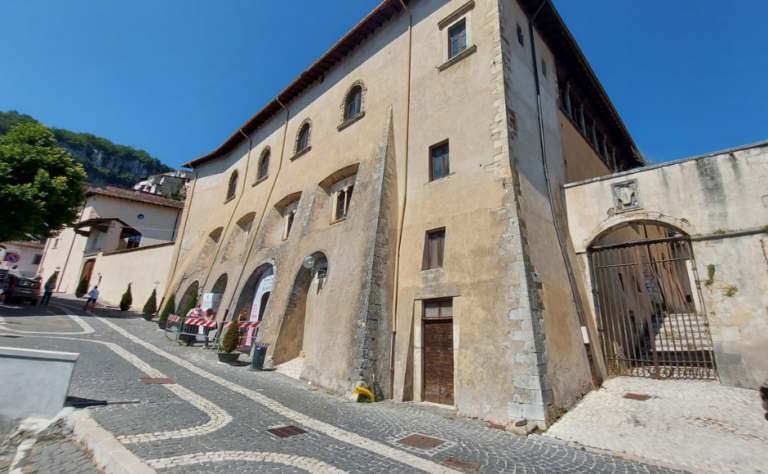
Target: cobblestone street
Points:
(703, 426)
(215, 417)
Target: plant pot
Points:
(162, 324)
(147, 317)
(229, 358)
(79, 295)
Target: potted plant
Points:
(162, 321)
(229, 344)
(150, 307)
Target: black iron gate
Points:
(651, 318)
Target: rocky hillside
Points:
(105, 162)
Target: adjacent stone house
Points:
(396, 219)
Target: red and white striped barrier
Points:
(172, 318)
(244, 324)
(206, 323)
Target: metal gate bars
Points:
(651, 319)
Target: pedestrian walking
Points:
(93, 295)
(47, 292)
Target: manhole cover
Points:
(421, 441)
(286, 431)
(637, 396)
(467, 466)
(159, 381)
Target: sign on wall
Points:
(211, 300)
(12, 257)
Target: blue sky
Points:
(177, 77)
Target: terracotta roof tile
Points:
(133, 195)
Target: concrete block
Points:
(36, 383)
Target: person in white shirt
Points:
(93, 295)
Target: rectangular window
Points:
(442, 308)
(37, 259)
(134, 242)
(439, 166)
(55, 243)
(457, 39)
(434, 249)
(290, 215)
(342, 198)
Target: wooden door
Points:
(438, 361)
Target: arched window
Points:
(354, 103)
(264, 164)
(232, 189)
(302, 142)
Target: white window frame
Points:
(341, 186)
(289, 217)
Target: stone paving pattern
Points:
(703, 426)
(258, 401)
(58, 457)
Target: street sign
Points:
(12, 257)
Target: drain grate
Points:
(286, 431)
(158, 381)
(421, 441)
(455, 462)
(637, 396)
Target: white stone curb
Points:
(108, 454)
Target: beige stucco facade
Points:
(356, 316)
(720, 201)
(109, 216)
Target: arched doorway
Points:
(290, 339)
(650, 315)
(191, 292)
(253, 301)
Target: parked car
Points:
(20, 289)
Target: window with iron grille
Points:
(439, 166)
(341, 194)
(457, 39)
(434, 249)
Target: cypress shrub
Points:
(229, 343)
(82, 287)
(190, 304)
(55, 276)
(150, 307)
(126, 300)
(168, 308)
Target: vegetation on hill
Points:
(104, 161)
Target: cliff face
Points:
(104, 161)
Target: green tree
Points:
(126, 300)
(150, 307)
(41, 187)
(169, 307)
(229, 343)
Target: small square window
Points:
(520, 38)
(134, 242)
(442, 308)
(439, 163)
(457, 39)
(434, 249)
(37, 259)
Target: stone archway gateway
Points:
(191, 290)
(650, 314)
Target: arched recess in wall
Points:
(232, 186)
(263, 169)
(281, 219)
(192, 289)
(290, 340)
(254, 297)
(648, 302)
(209, 248)
(221, 284)
(328, 201)
(238, 240)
